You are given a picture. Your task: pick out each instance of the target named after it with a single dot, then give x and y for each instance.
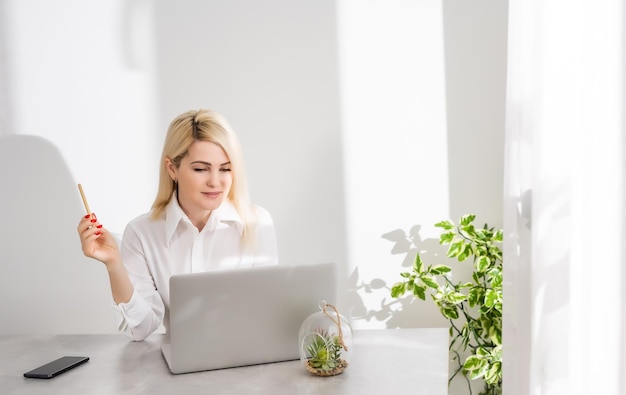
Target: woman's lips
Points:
(212, 195)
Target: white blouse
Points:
(155, 249)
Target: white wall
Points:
(423, 89)
(360, 121)
(393, 100)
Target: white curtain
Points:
(564, 216)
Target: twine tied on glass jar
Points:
(337, 322)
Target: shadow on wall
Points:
(408, 311)
(47, 285)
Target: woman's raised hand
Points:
(97, 242)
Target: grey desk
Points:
(394, 361)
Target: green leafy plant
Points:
(474, 309)
(324, 353)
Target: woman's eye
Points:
(225, 169)
(200, 169)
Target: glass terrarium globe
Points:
(325, 340)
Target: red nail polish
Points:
(88, 215)
(93, 220)
(98, 233)
(99, 226)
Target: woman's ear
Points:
(171, 169)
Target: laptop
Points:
(231, 318)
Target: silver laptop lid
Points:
(246, 316)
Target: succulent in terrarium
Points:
(325, 352)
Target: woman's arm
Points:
(144, 312)
(98, 243)
(138, 314)
(121, 287)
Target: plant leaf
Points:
(419, 291)
(430, 282)
(466, 251)
(469, 230)
(449, 312)
(473, 363)
(447, 225)
(494, 373)
(474, 295)
(482, 264)
(440, 269)
(418, 265)
(491, 297)
(495, 335)
(398, 290)
(467, 219)
(446, 237)
(456, 297)
(455, 249)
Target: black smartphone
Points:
(56, 367)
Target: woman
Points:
(201, 220)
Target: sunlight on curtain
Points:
(414, 122)
(563, 210)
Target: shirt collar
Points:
(174, 214)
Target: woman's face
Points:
(204, 178)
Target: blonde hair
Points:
(206, 125)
